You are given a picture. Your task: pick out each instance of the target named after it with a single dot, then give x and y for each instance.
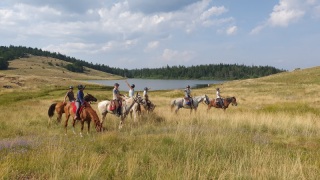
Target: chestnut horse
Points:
(226, 103)
(87, 114)
(60, 108)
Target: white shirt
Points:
(131, 92)
(218, 94)
(145, 93)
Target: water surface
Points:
(158, 84)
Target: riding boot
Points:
(119, 112)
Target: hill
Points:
(36, 71)
(208, 71)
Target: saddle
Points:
(113, 105)
(219, 102)
(74, 107)
(187, 101)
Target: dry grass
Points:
(274, 133)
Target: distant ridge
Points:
(210, 71)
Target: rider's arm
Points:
(65, 98)
(128, 84)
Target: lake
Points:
(157, 84)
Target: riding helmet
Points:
(188, 86)
(71, 87)
(146, 88)
(80, 86)
(218, 89)
(116, 84)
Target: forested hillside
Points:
(210, 71)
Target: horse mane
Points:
(229, 99)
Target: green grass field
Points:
(273, 133)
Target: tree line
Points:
(208, 71)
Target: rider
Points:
(117, 98)
(219, 98)
(70, 95)
(80, 100)
(146, 96)
(131, 89)
(187, 95)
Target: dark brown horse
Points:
(59, 107)
(226, 103)
(87, 114)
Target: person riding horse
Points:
(79, 101)
(131, 89)
(187, 96)
(117, 98)
(146, 97)
(219, 99)
(69, 95)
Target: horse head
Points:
(90, 98)
(99, 127)
(234, 101)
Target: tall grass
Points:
(267, 136)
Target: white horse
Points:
(127, 104)
(140, 108)
(181, 103)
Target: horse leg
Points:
(66, 122)
(82, 125)
(73, 125)
(121, 122)
(177, 108)
(88, 132)
(103, 118)
(135, 115)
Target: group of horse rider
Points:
(189, 101)
(116, 97)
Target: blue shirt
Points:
(80, 96)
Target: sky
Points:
(151, 34)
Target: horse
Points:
(59, 107)
(140, 108)
(127, 104)
(87, 114)
(181, 103)
(226, 103)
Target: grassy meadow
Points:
(273, 133)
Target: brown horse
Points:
(87, 114)
(226, 103)
(59, 107)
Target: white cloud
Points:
(177, 56)
(285, 13)
(232, 30)
(152, 45)
(213, 11)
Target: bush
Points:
(3, 64)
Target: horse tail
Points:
(51, 109)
